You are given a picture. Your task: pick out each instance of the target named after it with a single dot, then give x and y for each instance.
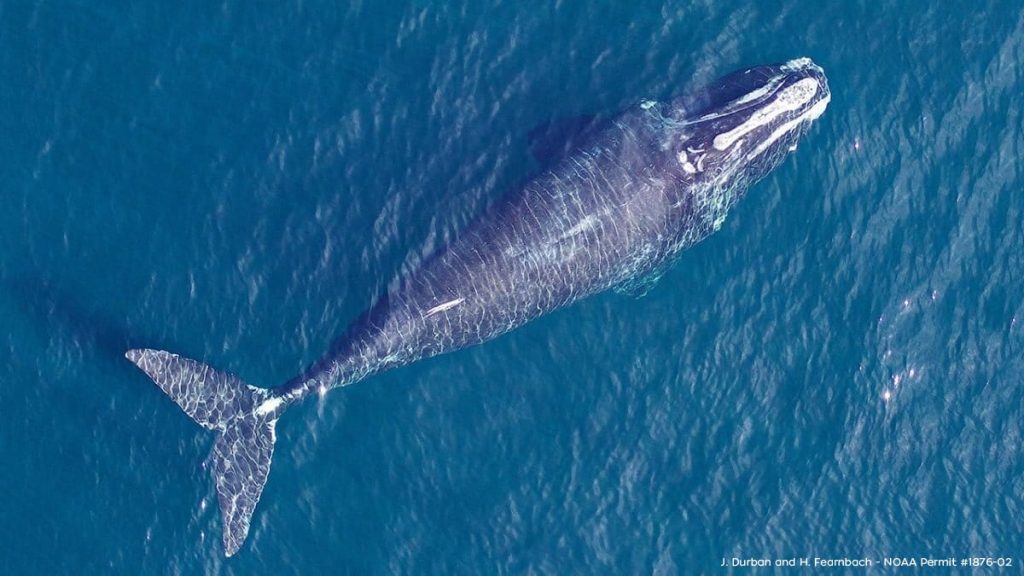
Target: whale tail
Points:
(245, 417)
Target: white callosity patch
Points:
(755, 94)
(685, 161)
(789, 99)
(689, 166)
(742, 101)
(811, 114)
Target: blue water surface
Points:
(836, 373)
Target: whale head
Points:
(742, 126)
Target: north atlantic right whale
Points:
(612, 213)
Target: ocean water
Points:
(836, 373)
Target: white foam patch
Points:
(268, 406)
(791, 98)
(798, 64)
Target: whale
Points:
(611, 212)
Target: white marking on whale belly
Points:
(442, 307)
(268, 406)
(792, 98)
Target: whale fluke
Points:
(241, 459)
(245, 417)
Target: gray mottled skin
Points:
(613, 213)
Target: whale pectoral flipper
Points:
(244, 415)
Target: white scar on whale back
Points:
(442, 307)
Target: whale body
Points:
(611, 213)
